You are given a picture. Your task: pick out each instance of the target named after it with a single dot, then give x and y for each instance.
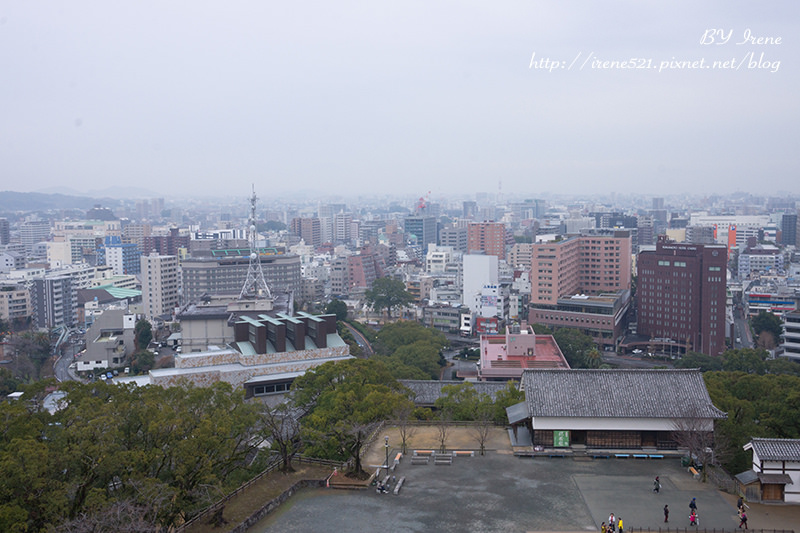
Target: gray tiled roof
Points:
(426, 392)
(624, 393)
(776, 449)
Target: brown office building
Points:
(681, 296)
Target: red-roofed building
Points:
(506, 356)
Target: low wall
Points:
(275, 503)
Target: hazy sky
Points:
(398, 96)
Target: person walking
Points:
(666, 513)
(743, 520)
(620, 524)
(740, 504)
(603, 527)
(693, 518)
(611, 522)
(693, 505)
(656, 485)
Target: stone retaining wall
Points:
(275, 503)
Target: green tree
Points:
(769, 329)
(8, 383)
(699, 360)
(460, 401)
(507, 397)
(5, 329)
(338, 308)
(143, 334)
(575, 346)
(387, 293)
(393, 336)
(142, 361)
(345, 402)
(745, 360)
(32, 347)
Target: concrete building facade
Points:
(682, 295)
(161, 284)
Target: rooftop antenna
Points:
(255, 286)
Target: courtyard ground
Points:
(501, 492)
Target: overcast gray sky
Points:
(397, 96)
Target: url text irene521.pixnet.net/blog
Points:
(749, 54)
(750, 60)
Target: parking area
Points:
(501, 492)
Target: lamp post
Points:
(386, 446)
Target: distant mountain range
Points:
(11, 201)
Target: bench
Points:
(419, 460)
(655, 456)
(640, 456)
(695, 474)
(423, 452)
(399, 484)
(464, 453)
(551, 455)
(398, 457)
(621, 455)
(600, 456)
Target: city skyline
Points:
(516, 98)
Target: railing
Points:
(274, 465)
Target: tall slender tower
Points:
(255, 286)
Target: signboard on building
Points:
(560, 439)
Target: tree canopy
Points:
(143, 334)
(344, 402)
(411, 350)
(387, 293)
(338, 308)
(576, 347)
(769, 329)
(757, 406)
(162, 453)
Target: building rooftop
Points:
(626, 393)
(775, 449)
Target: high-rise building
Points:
(487, 237)
(422, 228)
(166, 244)
(5, 231)
(308, 229)
(456, 237)
(32, 232)
(681, 295)
(54, 301)
(791, 335)
(595, 262)
(161, 283)
(122, 257)
(788, 229)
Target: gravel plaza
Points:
(501, 492)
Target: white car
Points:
(637, 351)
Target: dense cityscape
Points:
(250, 299)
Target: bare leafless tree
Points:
(404, 425)
(483, 425)
(282, 428)
(695, 434)
(443, 421)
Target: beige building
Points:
(160, 284)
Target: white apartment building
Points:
(160, 284)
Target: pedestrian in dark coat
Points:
(666, 513)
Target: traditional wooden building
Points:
(613, 409)
(775, 475)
